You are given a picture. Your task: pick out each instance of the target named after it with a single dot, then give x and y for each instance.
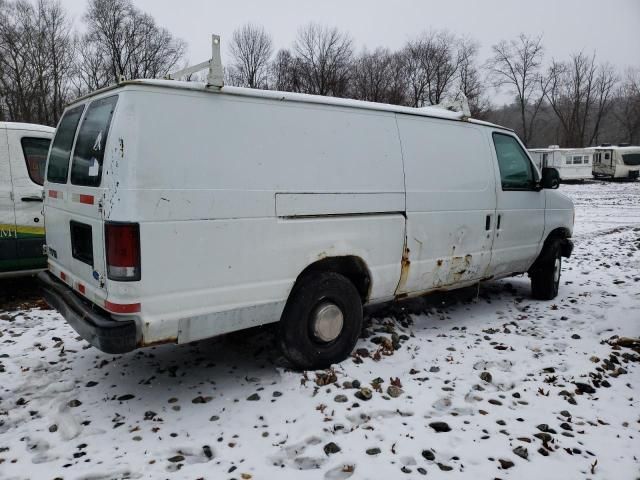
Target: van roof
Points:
(26, 126)
(430, 111)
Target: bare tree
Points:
(442, 65)
(92, 69)
(516, 65)
(14, 65)
(284, 72)
(469, 80)
(251, 48)
(580, 93)
(431, 64)
(37, 52)
(125, 42)
(60, 45)
(325, 56)
(372, 75)
(627, 111)
(413, 73)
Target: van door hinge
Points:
(100, 206)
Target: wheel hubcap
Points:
(556, 270)
(327, 322)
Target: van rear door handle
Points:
(31, 199)
(487, 222)
(498, 223)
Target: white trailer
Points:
(571, 163)
(610, 161)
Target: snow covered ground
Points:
(487, 384)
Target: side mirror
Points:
(550, 178)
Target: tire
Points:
(310, 334)
(545, 278)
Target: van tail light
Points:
(123, 251)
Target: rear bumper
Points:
(96, 327)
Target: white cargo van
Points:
(23, 153)
(176, 211)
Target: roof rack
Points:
(215, 77)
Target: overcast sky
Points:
(611, 28)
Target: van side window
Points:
(35, 155)
(516, 171)
(61, 150)
(88, 154)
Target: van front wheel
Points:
(321, 322)
(545, 279)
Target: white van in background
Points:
(177, 211)
(571, 163)
(23, 153)
(616, 162)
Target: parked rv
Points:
(571, 163)
(621, 161)
(177, 211)
(23, 153)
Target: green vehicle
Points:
(23, 155)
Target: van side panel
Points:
(7, 214)
(27, 200)
(451, 203)
(205, 175)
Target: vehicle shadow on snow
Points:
(20, 293)
(231, 363)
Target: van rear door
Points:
(75, 223)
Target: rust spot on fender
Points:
(459, 266)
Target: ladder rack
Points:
(215, 77)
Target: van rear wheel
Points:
(321, 322)
(545, 279)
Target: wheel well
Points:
(350, 266)
(558, 234)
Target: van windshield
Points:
(61, 150)
(92, 139)
(631, 159)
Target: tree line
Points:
(45, 63)
(578, 101)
